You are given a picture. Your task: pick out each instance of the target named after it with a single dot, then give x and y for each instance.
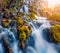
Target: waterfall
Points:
(1, 48)
(35, 42)
(15, 47)
(24, 9)
(6, 33)
(41, 45)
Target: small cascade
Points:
(41, 45)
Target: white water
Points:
(1, 48)
(41, 45)
(6, 32)
(26, 9)
(15, 47)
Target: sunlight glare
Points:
(53, 2)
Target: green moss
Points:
(19, 20)
(32, 16)
(12, 10)
(56, 32)
(24, 33)
(23, 28)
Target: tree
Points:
(55, 17)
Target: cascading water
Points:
(41, 45)
(6, 33)
(1, 50)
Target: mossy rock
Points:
(24, 33)
(32, 16)
(24, 14)
(12, 10)
(19, 20)
(56, 32)
(22, 37)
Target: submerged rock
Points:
(47, 34)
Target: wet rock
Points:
(30, 41)
(47, 34)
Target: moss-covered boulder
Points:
(24, 29)
(19, 20)
(32, 16)
(12, 10)
(56, 32)
(24, 32)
